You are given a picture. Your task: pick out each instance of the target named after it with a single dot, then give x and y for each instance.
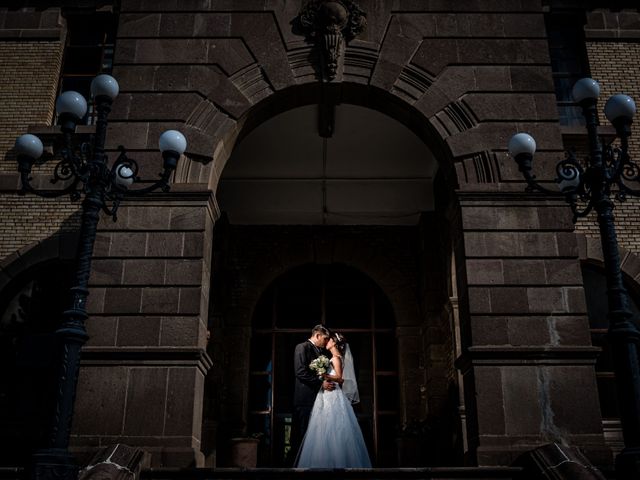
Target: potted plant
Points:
(244, 451)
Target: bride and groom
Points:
(325, 432)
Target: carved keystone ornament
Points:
(331, 23)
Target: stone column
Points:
(143, 369)
(528, 362)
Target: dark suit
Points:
(307, 385)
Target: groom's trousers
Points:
(299, 424)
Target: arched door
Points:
(343, 299)
(31, 307)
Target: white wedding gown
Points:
(333, 438)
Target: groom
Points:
(307, 384)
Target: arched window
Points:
(31, 306)
(345, 300)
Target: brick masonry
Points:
(616, 65)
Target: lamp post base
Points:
(628, 463)
(54, 463)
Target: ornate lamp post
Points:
(84, 170)
(608, 171)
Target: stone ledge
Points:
(39, 34)
(435, 473)
(157, 356)
(525, 355)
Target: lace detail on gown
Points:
(333, 438)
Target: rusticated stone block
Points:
(176, 25)
(146, 392)
(160, 301)
(101, 331)
(106, 272)
(157, 106)
(184, 272)
(122, 300)
(522, 409)
(102, 245)
(153, 217)
(187, 218)
(127, 244)
(401, 39)
(527, 78)
(479, 300)
(138, 25)
(489, 398)
(100, 403)
(528, 331)
(138, 331)
(500, 218)
(182, 331)
(193, 244)
(95, 301)
(543, 300)
(570, 330)
(133, 135)
(144, 272)
(524, 271)
(137, 77)
(212, 24)
(508, 300)
(483, 272)
(181, 408)
(567, 384)
(164, 244)
(191, 301)
(489, 330)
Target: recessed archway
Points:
(372, 191)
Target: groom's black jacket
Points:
(307, 382)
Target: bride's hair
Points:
(340, 341)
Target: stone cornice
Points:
(526, 355)
(156, 356)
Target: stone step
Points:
(440, 473)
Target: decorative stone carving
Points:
(331, 23)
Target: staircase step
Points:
(440, 473)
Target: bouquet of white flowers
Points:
(320, 365)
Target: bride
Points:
(333, 438)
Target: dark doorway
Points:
(30, 311)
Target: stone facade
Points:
(492, 302)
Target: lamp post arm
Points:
(161, 184)
(26, 187)
(524, 161)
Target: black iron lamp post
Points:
(607, 173)
(84, 170)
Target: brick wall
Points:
(28, 219)
(29, 69)
(614, 60)
(29, 72)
